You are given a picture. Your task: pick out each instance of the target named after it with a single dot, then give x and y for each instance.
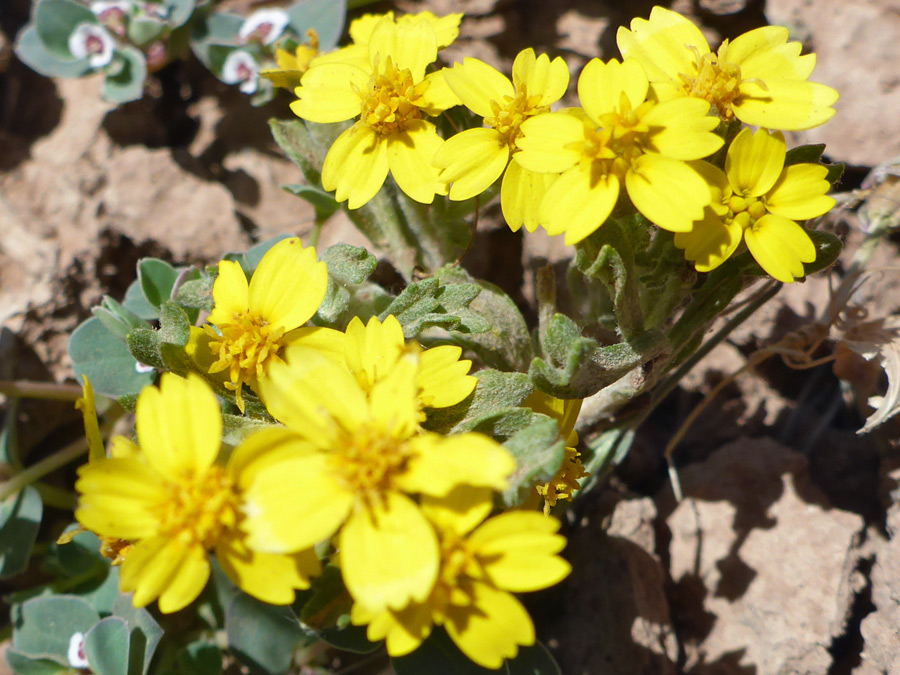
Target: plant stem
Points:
(45, 390)
(47, 465)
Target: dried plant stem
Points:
(44, 390)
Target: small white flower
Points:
(264, 25)
(77, 658)
(241, 67)
(154, 10)
(143, 368)
(93, 42)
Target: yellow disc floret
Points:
(390, 101)
(201, 509)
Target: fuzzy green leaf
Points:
(107, 361)
(144, 633)
(46, 624)
(127, 83)
(496, 396)
(491, 325)
(539, 451)
(55, 20)
(326, 17)
(107, 647)
(32, 52)
(21, 517)
(262, 636)
(322, 202)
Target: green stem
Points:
(315, 233)
(56, 497)
(47, 465)
(45, 390)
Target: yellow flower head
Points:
(292, 66)
(481, 563)
(474, 159)
(760, 77)
(758, 199)
(446, 30)
(352, 461)
(565, 483)
(174, 504)
(620, 136)
(254, 321)
(374, 349)
(390, 95)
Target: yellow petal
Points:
(409, 154)
(88, 408)
(601, 85)
(491, 628)
(442, 378)
(550, 143)
(668, 192)
(372, 350)
(269, 577)
(179, 426)
(288, 285)
(326, 341)
(330, 93)
(780, 246)
(755, 161)
(460, 510)
(471, 161)
(267, 446)
(790, 105)
(799, 193)
(356, 165)
(403, 631)
(167, 569)
(294, 504)
(521, 193)
(541, 76)
(579, 202)
(408, 44)
(361, 28)
(667, 45)
(711, 242)
(440, 463)
(765, 52)
(120, 497)
(393, 401)
(389, 554)
(518, 551)
(312, 392)
(682, 129)
(477, 84)
(231, 293)
(446, 28)
(438, 96)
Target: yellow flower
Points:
(292, 66)
(254, 321)
(374, 349)
(480, 567)
(565, 483)
(390, 94)
(351, 461)
(758, 199)
(760, 77)
(175, 504)
(446, 29)
(619, 137)
(473, 159)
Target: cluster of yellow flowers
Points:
(643, 129)
(402, 511)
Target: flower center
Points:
(716, 81)
(368, 460)
(745, 211)
(202, 509)
(565, 483)
(389, 100)
(508, 114)
(245, 348)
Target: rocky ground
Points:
(780, 559)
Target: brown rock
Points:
(762, 565)
(881, 652)
(722, 7)
(857, 54)
(616, 619)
